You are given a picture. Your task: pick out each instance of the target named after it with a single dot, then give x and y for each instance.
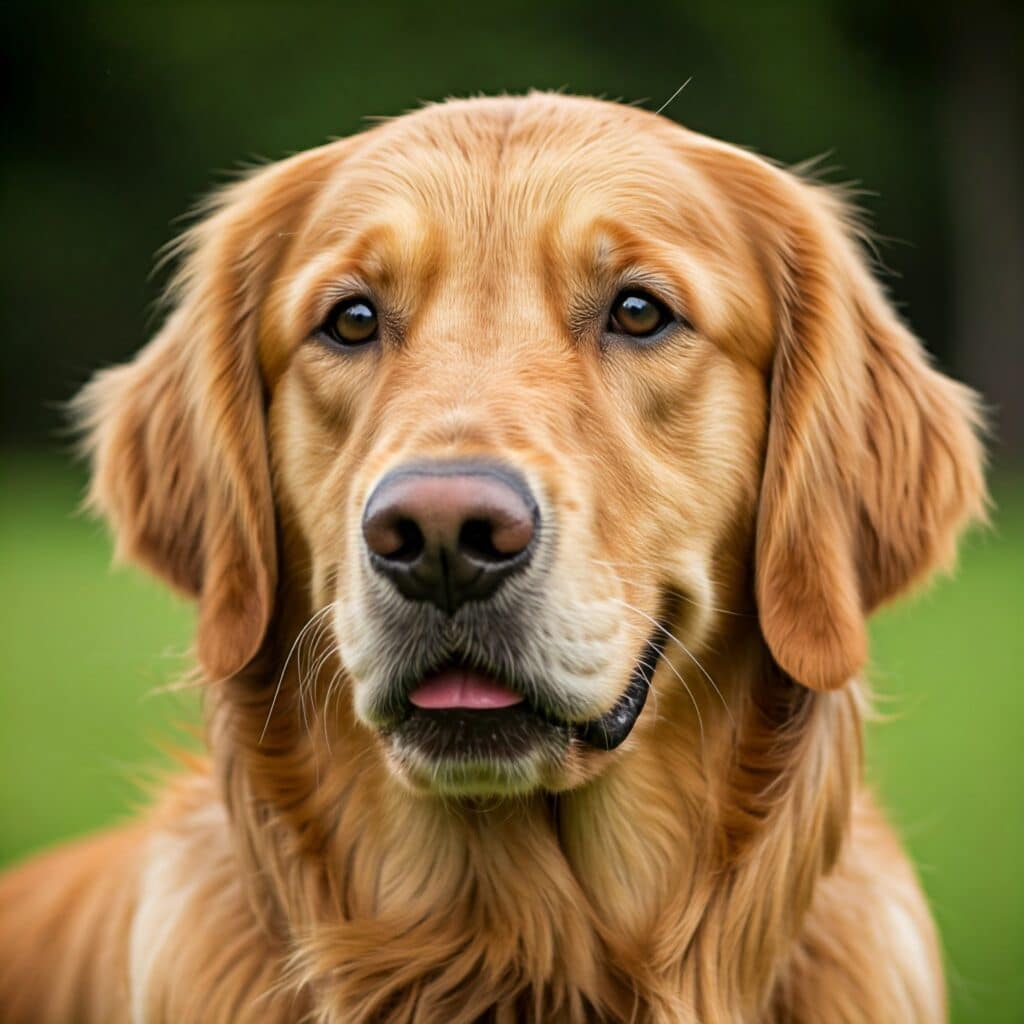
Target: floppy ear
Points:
(873, 464)
(177, 437)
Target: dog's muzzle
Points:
(462, 541)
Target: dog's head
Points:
(515, 397)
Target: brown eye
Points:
(637, 314)
(352, 322)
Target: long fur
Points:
(786, 470)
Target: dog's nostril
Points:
(476, 539)
(392, 536)
(410, 541)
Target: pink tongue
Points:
(462, 688)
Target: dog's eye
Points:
(351, 322)
(637, 314)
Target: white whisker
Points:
(686, 650)
(689, 693)
(284, 668)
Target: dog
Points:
(534, 464)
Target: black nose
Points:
(450, 532)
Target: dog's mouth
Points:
(462, 714)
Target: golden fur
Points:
(782, 469)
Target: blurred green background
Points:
(120, 116)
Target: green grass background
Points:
(88, 653)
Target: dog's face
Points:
(530, 390)
(516, 422)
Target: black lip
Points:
(611, 729)
(511, 731)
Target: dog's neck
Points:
(632, 890)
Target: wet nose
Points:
(452, 532)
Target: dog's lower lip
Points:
(459, 712)
(459, 698)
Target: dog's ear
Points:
(873, 465)
(177, 439)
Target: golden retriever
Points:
(534, 464)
